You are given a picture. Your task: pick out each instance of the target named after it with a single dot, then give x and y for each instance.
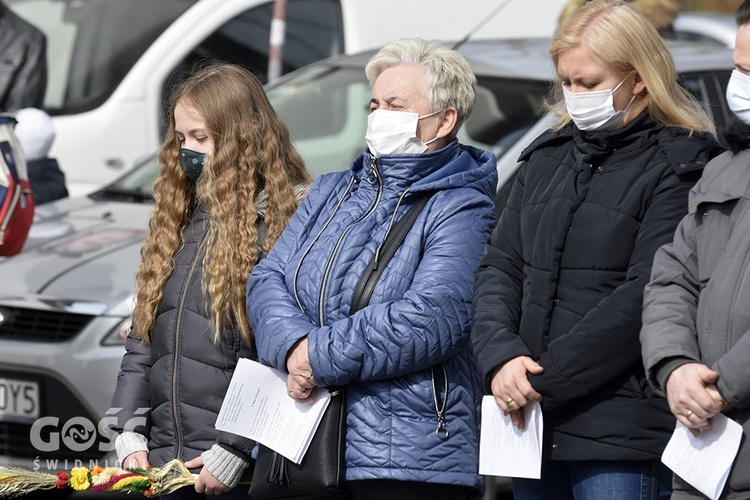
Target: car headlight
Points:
(118, 334)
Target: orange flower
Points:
(96, 470)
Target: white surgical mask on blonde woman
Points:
(595, 110)
(395, 132)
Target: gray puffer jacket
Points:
(172, 388)
(697, 303)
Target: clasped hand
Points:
(300, 382)
(204, 483)
(693, 397)
(510, 385)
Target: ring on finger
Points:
(308, 377)
(509, 400)
(689, 414)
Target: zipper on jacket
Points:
(335, 210)
(366, 286)
(390, 226)
(442, 430)
(175, 355)
(376, 179)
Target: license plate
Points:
(19, 400)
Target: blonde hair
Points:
(626, 42)
(449, 80)
(252, 158)
(660, 13)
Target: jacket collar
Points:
(453, 166)
(591, 142)
(685, 152)
(727, 179)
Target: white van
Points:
(111, 62)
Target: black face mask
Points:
(192, 162)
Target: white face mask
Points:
(595, 110)
(394, 132)
(738, 95)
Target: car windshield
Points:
(136, 186)
(326, 108)
(92, 44)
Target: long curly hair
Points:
(253, 161)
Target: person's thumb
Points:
(196, 462)
(532, 366)
(707, 375)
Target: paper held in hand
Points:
(506, 451)
(258, 407)
(704, 461)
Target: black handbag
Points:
(319, 473)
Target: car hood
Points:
(81, 250)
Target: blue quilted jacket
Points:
(397, 355)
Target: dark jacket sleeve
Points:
(31, 80)
(132, 394)
(499, 290)
(23, 79)
(47, 180)
(609, 333)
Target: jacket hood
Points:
(454, 166)
(684, 151)
(725, 179)
(261, 200)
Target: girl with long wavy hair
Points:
(230, 181)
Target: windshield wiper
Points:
(118, 193)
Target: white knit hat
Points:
(35, 132)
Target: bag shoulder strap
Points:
(373, 270)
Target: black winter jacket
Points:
(23, 62)
(563, 276)
(182, 375)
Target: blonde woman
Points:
(560, 289)
(230, 181)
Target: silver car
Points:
(65, 301)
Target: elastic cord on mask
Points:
(427, 116)
(430, 114)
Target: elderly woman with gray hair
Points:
(413, 392)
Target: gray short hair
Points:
(449, 80)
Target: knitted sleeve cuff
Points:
(224, 465)
(664, 369)
(128, 443)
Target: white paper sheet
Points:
(506, 451)
(258, 407)
(704, 461)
